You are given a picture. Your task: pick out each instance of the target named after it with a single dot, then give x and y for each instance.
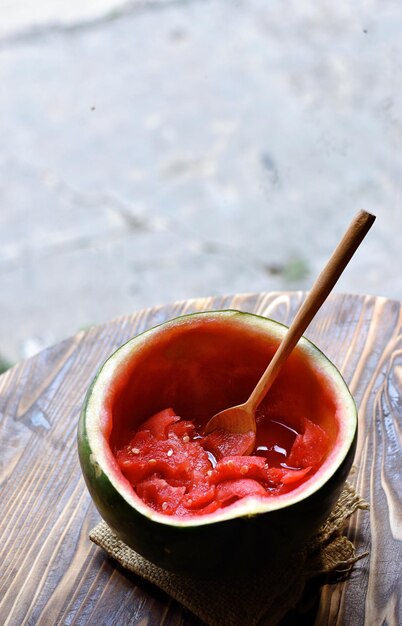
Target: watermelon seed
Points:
(170, 452)
(186, 438)
(244, 469)
(135, 450)
(152, 462)
(164, 505)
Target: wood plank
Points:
(52, 574)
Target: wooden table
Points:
(52, 574)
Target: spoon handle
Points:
(321, 289)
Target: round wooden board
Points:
(52, 574)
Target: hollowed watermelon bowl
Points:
(200, 364)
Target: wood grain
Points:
(52, 574)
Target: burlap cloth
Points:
(246, 598)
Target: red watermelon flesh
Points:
(176, 470)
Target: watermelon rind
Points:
(253, 526)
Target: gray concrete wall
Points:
(160, 150)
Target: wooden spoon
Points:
(241, 418)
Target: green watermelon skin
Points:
(253, 538)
